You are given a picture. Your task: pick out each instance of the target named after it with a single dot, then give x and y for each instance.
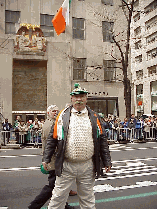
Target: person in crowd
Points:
(6, 128)
(146, 128)
(36, 125)
(15, 126)
(124, 133)
(152, 129)
(41, 124)
(35, 129)
(22, 128)
(110, 120)
(131, 126)
(29, 125)
(46, 192)
(155, 128)
(80, 140)
(115, 127)
(139, 129)
(106, 127)
(133, 118)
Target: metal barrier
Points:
(7, 136)
(28, 137)
(33, 137)
(126, 134)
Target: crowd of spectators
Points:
(24, 132)
(117, 130)
(134, 128)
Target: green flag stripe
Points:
(70, 3)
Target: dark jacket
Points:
(131, 125)
(6, 126)
(101, 149)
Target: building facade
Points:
(144, 56)
(39, 68)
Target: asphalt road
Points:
(132, 182)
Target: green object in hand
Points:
(43, 170)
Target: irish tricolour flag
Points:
(61, 19)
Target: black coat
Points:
(6, 126)
(101, 149)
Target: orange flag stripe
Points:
(59, 22)
(55, 136)
(101, 131)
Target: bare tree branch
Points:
(119, 47)
(127, 5)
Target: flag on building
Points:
(61, 19)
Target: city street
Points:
(132, 182)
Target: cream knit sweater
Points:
(80, 146)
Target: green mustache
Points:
(78, 102)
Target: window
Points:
(109, 70)
(11, 18)
(153, 89)
(151, 23)
(139, 74)
(136, 17)
(152, 6)
(46, 25)
(138, 59)
(152, 54)
(104, 105)
(152, 38)
(137, 31)
(152, 70)
(138, 45)
(79, 65)
(107, 2)
(78, 27)
(107, 29)
(139, 97)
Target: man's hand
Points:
(45, 166)
(107, 169)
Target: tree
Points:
(128, 11)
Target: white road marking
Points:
(107, 187)
(127, 176)
(118, 148)
(20, 169)
(124, 171)
(3, 207)
(113, 150)
(5, 156)
(141, 159)
(12, 156)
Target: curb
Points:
(11, 146)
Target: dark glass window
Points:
(11, 18)
(46, 25)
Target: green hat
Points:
(43, 170)
(78, 90)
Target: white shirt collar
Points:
(82, 112)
